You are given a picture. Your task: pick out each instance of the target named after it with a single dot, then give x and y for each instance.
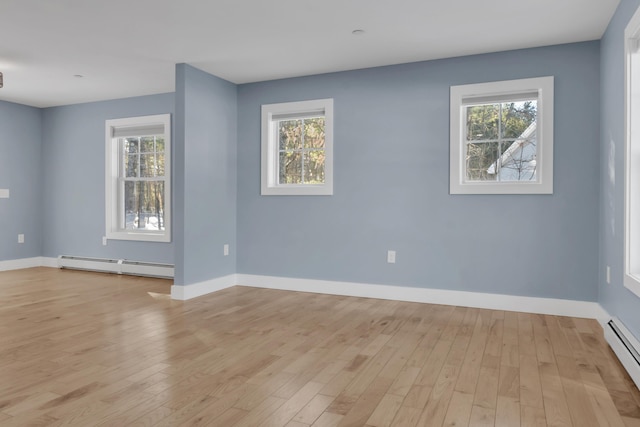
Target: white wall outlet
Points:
(225, 249)
(391, 257)
(4, 193)
(104, 240)
(608, 275)
(20, 238)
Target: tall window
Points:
(138, 178)
(297, 147)
(632, 156)
(502, 137)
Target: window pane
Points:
(314, 133)
(144, 205)
(147, 165)
(290, 134)
(146, 144)
(518, 161)
(481, 158)
(483, 122)
(517, 117)
(508, 150)
(131, 145)
(314, 167)
(160, 164)
(131, 166)
(159, 145)
(290, 167)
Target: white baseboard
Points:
(202, 288)
(19, 264)
(49, 262)
(558, 307)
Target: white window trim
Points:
(544, 157)
(113, 196)
(632, 160)
(269, 148)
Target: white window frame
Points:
(632, 156)
(114, 188)
(269, 148)
(464, 95)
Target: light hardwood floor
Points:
(88, 349)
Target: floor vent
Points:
(118, 266)
(625, 346)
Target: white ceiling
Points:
(130, 47)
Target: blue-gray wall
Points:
(391, 181)
(615, 298)
(205, 176)
(73, 167)
(391, 184)
(21, 173)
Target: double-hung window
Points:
(502, 137)
(138, 178)
(631, 157)
(297, 148)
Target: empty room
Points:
(293, 213)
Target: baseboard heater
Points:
(118, 266)
(625, 346)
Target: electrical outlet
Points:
(225, 250)
(608, 275)
(391, 257)
(20, 238)
(104, 240)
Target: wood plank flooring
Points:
(89, 349)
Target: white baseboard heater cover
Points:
(625, 346)
(118, 266)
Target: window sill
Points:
(632, 282)
(501, 188)
(141, 237)
(298, 190)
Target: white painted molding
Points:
(462, 96)
(558, 307)
(115, 129)
(202, 288)
(18, 264)
(270, 114)
(49, 262)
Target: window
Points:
(502, 137)
(138, 178)
(631, 156)
(297, 148)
